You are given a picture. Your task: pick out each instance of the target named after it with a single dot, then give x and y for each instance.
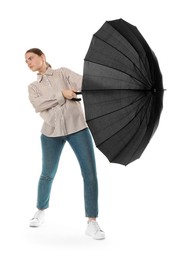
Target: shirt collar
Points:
(48, 72)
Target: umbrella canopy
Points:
(122, 91)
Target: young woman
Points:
(53, 96)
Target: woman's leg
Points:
(51, 151)
(81, 143)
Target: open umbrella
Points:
(122, 91)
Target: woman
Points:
(53, 96)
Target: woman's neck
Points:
(43, 69)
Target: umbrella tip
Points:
(154, 90)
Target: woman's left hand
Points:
(69, 94)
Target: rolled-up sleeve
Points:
(44, 102)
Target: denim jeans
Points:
(81, 143)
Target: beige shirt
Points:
(61, 116)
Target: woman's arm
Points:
(41, 103)
(74, 80)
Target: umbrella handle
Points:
(77, 99)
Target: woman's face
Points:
(34, 61)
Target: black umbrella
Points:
(122, 91)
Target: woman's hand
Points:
(69, 94)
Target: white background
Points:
(143, 208)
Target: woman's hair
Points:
(39, 53)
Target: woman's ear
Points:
(43, 57)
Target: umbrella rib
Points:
(138, 40)
(118, 89)
(121, 53)
(145, 131)
(136, 100)
(134, 134)
(123, 126)
(107, 66)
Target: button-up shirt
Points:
(61, 116)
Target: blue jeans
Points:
(82, 146)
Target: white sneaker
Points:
(38, 219)
(94, 230)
